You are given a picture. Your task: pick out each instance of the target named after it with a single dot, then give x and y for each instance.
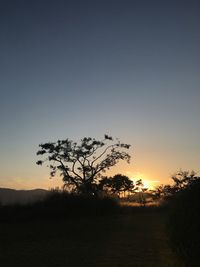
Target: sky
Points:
(127, 68)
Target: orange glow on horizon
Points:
(150, 184)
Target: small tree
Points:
(141, 192)
(183, 179)
(163, 192)
(117, 184)
(81, 165)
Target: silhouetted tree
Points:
(163, 191)
(183, 179)
(104, 184)
(117, 184)
(184, 219)
(141, 192)
(81, 165)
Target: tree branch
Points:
(101, 154)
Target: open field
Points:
(135, 239)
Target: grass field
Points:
(137, 238)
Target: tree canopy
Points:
(181, 181)
(117, 184)
(81, 164)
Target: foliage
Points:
(81, 165)
(184, 221)
(181, 181)
(184, 179)
(122, 186)
(183, 214)
(117, 184)
(141, 192)
(163, 192)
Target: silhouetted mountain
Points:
(11, 196)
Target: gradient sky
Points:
(84, 68)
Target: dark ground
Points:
(133, 239)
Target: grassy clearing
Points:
(137, 238)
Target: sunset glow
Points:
(118, 68)
(150, 184)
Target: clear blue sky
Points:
(84, 68)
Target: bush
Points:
(184, 223)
